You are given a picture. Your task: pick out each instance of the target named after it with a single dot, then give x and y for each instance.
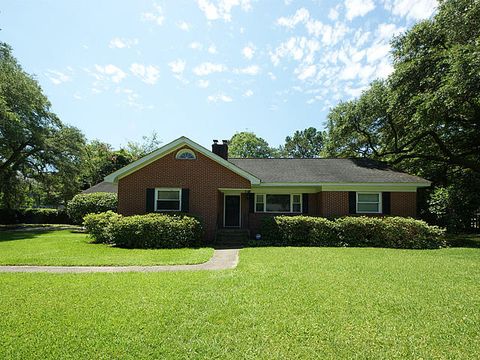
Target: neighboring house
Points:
(237, 193)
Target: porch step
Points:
(231, 237)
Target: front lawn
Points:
(70, 248)
(279, 303)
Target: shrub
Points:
(361, 231)
(145, 231)
(394, 232)
(83, 204)
(99, 226)
(33, 216)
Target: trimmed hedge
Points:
(145, 231)
(361, 231)
(94, 203)
(99, 226)
(33, 216)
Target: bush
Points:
(33, 216)
(83, 204)
(99, 226)
(394, 232)
(145, 231)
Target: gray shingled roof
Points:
(323, 171)
(102, 187)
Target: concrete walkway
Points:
(222, 259)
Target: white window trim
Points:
(369, 202)
(168, 189)
(184, 151)
(278, 212)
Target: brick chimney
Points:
(220, 149)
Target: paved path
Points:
(222, 259)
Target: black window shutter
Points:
(386, 207)
(185, 200)
(150, 200)
(304, 203)
(251, 202)
(352, 202)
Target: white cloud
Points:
(195, 45)
(203, 83)
(249, 70)
(111, 72)
(219, 97)
(306, 72)
(183, 25)
(132, 98)
(330, 35)
(358, 8)
(297, 48)
(222, 9)
(121, 43)
(207, 68)
(333, 13)
(385, 32)
(57, 77)
(300, 16)
(177, 66)
(248, 51)
(212, 49)
(149, 74)
(272, 76)
(155, 16)
(412, 9)
(248, 93)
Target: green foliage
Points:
(429, 109)
(148, 144)
(33, 216)
(454, 205)
(425, 118)
(100, 225)
(362, 231)
(34, 143)
(83, 204)
(306, 143)
(248, 145)
(145, 231)
(298, 231)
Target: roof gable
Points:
(170, 147)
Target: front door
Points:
(232, 211)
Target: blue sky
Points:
(205, 69)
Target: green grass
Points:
(69, 248)
(279, 303)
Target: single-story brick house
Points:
(237, 193)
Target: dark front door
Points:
(232, 211)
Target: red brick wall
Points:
(334, 203)
(202, 176)
(403, 204)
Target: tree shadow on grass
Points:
(10, 235)
(464, 240)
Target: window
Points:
(369, 203)
(185, 154)
(283, 203)
(259, 203)
(168, 199)
(296, 203)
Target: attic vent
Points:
(185, 154)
